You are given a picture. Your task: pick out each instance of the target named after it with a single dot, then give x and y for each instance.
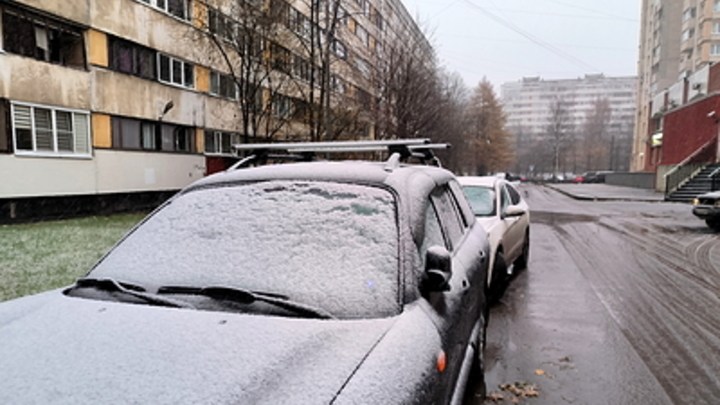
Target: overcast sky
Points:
(506, 40)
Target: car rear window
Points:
(482, 200)
(330, 245)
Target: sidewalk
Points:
(606, 192)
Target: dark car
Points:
(592, 177)
(707, 206)
(300, 283)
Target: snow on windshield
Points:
(331, 245)
(482, 200)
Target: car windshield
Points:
(482, 200)
(330, 245)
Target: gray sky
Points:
(506, 40)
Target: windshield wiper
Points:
(109, 284)
(248, 297)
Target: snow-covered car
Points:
(501, 210)
(298, 283)
(707, 206)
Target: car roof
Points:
(482, 181)
(362, 172)
(412, 184)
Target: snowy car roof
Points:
(482, 181)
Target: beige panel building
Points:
(678, 39)
(118, 104)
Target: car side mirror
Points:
(514, 211)
(438, 269)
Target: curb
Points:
(584, 197)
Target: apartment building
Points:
(111, 105)
(679, 39)
(528, 102)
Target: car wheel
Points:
(522, 261)
(713, 223)
(499, 277)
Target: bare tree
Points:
(560, 133)
(409, 90)
(596, 145)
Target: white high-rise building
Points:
(527, 104)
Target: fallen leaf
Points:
(494, 397)
(515, 400)
(521, 389)
(565, 359)
(539, 372)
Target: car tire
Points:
(522, 261)
(499, 277)
(713, 223)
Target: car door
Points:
(455, 311)
(514, 229)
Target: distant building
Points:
(110, 105)
(528, 102)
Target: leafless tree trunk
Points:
(560, 133)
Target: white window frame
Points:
(715, 50)
(216, 84)
(218, 137)
(171, 81)
(716, 6)
(164, 6)
(53, 119)
(716, 28)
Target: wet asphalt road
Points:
(620, 304)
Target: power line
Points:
(570, 58)
(589, 9)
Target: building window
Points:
(221, 25)
(715, 49)
(131, 58)
(339, 49)
(302, 69)
(223, 85)
(716, 28)
(178, 8)
(281, 106)
(219, 142)
(280, 58)
(176, 71)
(41, 38)
(687, 34)
(689, 14)
(135, 134)
(362, 33)
(50, 131)
(299, 23)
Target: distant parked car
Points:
(299, 283)
(707, 206)
(593, 177)
(582, 178)
(503, 213)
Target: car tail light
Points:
(441, 361)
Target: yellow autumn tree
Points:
(487, 139)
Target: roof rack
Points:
(400, 150)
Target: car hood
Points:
(63, 350)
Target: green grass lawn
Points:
(43, 256)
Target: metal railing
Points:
(686, 169)
(715, 176)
